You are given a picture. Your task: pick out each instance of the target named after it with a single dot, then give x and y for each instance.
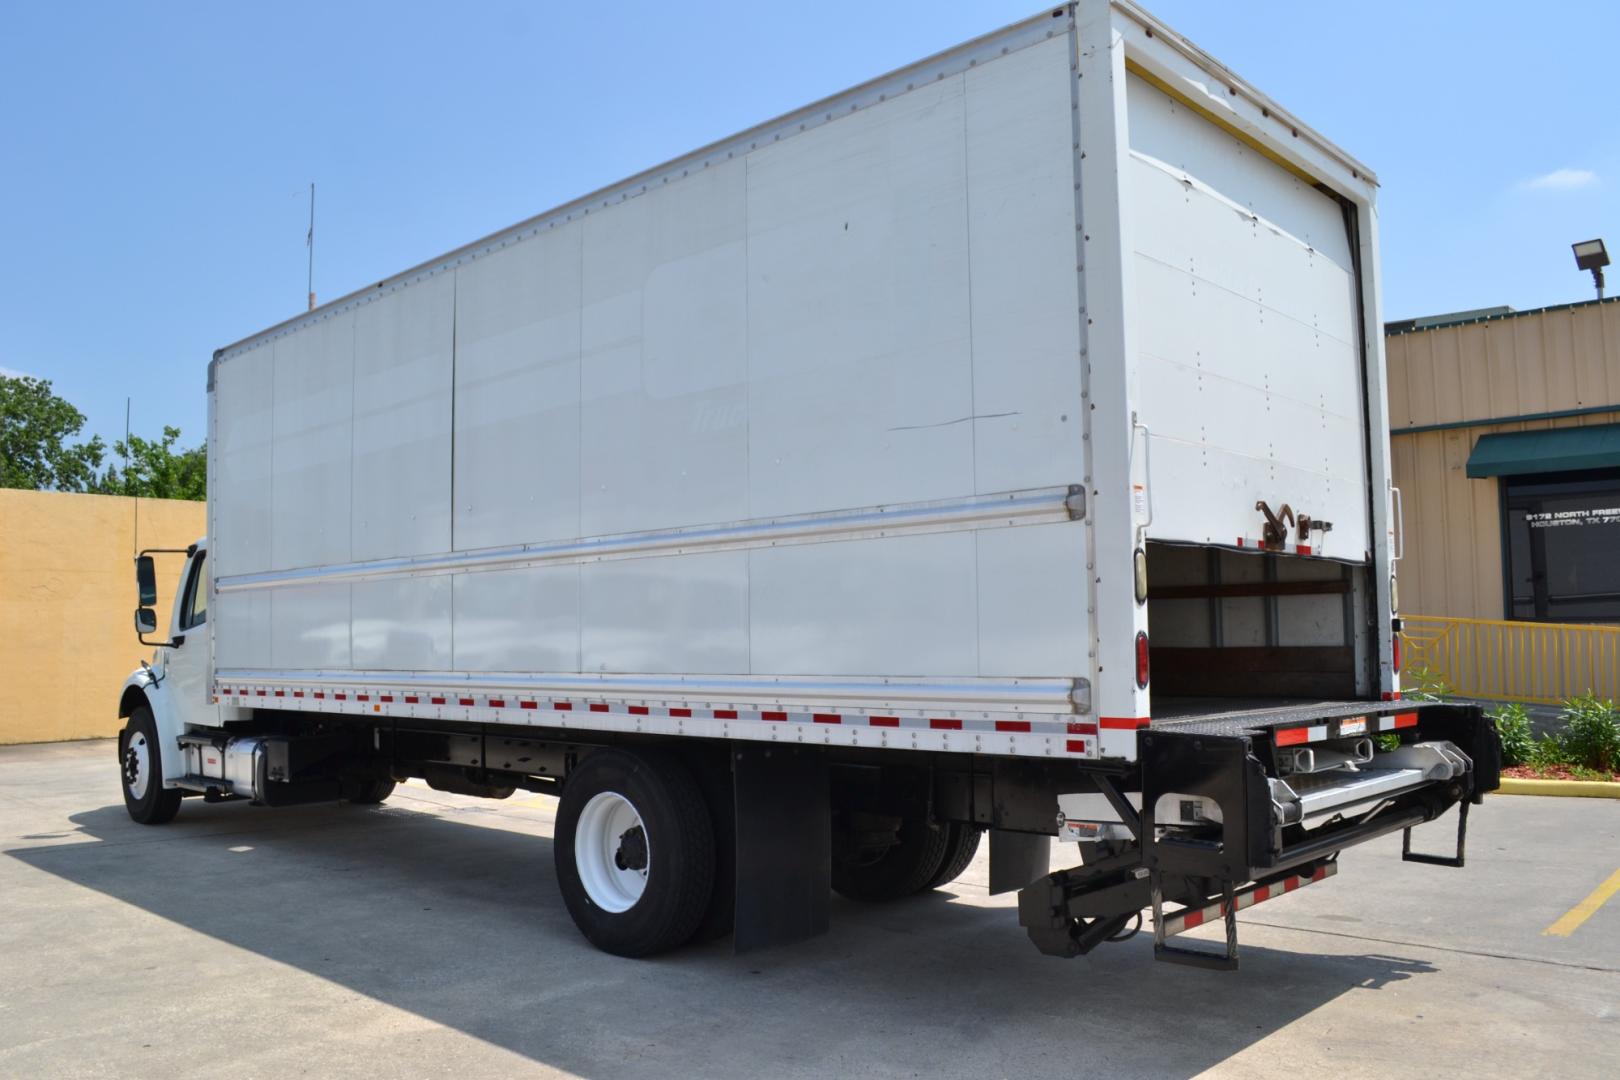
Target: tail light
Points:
(1141, 659)
(1395, 649)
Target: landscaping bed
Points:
(1580, 757)
(1559, 772)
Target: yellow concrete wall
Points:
(67, 597)
(1536, 362)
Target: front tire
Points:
(634, 851)
(140, 764)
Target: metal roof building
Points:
(1505, 436)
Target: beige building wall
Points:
(1448, 386)
(67, 597)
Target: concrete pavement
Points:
(426, 938)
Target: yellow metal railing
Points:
(1512, 661)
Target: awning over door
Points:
(1560, 450)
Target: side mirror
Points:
(145, 620)
(145, 582)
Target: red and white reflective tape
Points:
(1281, 549)
(1033, 735)
(1347, 727)
(1391, 721)
(1245, 898)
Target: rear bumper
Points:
(1233, 766)
(1216, 815)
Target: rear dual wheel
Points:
(959, 851)
(924, 856)
(367, 790)
(635, 851)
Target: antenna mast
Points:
(309, 241)
(134, 504)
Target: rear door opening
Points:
(1236, 631)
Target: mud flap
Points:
(784, 845)
(1016, 859)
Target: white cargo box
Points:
(845, 430)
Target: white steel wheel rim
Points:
(137, 765)
(611, 852)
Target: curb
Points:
(1588, 789)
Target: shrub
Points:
(1549, 752)
(1591, 733)
(1518, 741)
(1421, 684)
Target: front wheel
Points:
(634, 851)
(141, 765)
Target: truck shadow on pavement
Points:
(456, 918)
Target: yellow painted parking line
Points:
(1582, 911)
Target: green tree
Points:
(35, 426)
(156, 470)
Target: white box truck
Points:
(997, 446)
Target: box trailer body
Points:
(1004, 416)
(840, 414)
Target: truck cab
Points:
(170, 694)
(179, 740)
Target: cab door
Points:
(186, 666)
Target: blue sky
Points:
(154, 158)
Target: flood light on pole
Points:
(1592, 255)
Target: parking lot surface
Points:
(426, 938)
